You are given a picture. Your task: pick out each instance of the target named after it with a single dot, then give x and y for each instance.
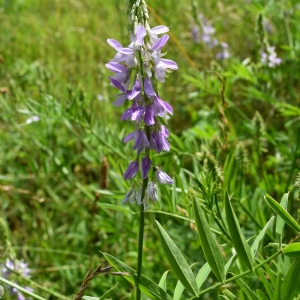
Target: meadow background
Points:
(61, 140)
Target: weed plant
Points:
(234, 139)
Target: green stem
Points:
(141, 241)
(24, 291)
(237, 276)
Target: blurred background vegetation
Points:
(62, 154)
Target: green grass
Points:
(50, 193)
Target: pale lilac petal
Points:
(129, 137)
(136, 90)
(149, 115)
(146, 164)
(166, 106)
(115, 44)
(160, 43)
(117, 84)
(125, 51)
(137, 113)
(127, 114)
(164, 131)
(140, 34)
(116, 68)
(169, 64)
(163, 177)
(151, 191)
(120, 100)
(131, 170)
(148, 88)
(159, 29)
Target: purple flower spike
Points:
(131, 170)
(163, 177)
(146, 164)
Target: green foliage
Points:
(59, 207)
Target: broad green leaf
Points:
(246, 289)
(178, 263)
(163, 281)
(276, 295)
(290, 287)
(229, 295)
(238, 240)
(280, 222)
(292, 250)
(255, 246)
(230, 263)
(265, 283)
(282, 213)
(178, 290)
(209, 244)
(147, 286)
(202, 275)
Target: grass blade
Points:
(238, 240)
(290, 287)
(177, 261)
(147, 286)
(209, 244)
(246, 289)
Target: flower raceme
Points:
(135, 68)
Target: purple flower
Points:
(160, 139)
(121, 73)
(131, 170)
(155, 31)
(146, 164)
(270, 58)
(152, 191)
(161, 66)
(130, 196)
(195, 34)
(163, 177)
(149, 115)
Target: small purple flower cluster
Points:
(270, 58)
(21, 268)
(208, 37)
(139, 61)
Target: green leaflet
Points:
(290, 287)
(255, 246)
(178, 263)
(148, 287)
(292, 250)
(178, 290)
(246, 289)
(163, 281)
(238, 240)
(202, 275)
(200, 278)
(229, 295)
(210, 247)
(280, 222)
(282, 213)
(230, 263)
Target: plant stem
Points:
(141, 241)
(237, 276)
